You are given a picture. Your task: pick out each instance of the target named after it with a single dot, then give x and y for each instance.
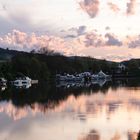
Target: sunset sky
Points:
(107, 29)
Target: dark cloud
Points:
(112, 40)
(70, 36)
(75, 32)
(91, 7)
(5, 26)
(134, 43)
(107, 28)
(93, 39)
(81, 30)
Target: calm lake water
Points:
(99, 111)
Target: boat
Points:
(22, 82)
(70, 77)
(67, 77)
(85, 76)
(94, 77)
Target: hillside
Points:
(46, 65)
(6, 54)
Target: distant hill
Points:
(6, 54)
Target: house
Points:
(102, 75)
(121, 66)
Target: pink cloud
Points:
(113, 7)
(91, 7)
(118, 57)
(84, 44)
(131, 5)
(94, 40)
(22, 41)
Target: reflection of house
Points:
(3, 81)
(120, 70)
(121, 66)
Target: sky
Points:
(105, 29)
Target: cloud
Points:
(23, 18)
(5, 25)
(113, 7)
(75, 32)
(94, 40)
(13, 20)
(131, 7)
(70, 36)
(107, 28)
(112, 40)
(88, 44)
(91, 7)
(22, 41)
(81, 30)
(3, 7)
(117, 57)
(135, 43)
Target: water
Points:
(109, 111)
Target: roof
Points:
(101, 73)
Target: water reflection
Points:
(109, 112)
(93, 135)
(71, 84)
(26, 86)
(2, 88)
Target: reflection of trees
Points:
(113, 106)
(83, 100)
(46, 93)
(127, 83)
(138, 138)
(132, 136)
(93, 135)
(116, 137)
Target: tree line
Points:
(43, 66)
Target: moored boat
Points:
(22, 82)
